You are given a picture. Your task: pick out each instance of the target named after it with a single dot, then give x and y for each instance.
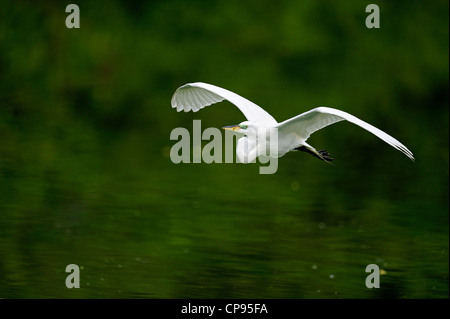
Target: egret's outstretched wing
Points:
(195, 96)
(303, 125)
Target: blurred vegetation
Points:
(85, 176)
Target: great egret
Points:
(292, 133)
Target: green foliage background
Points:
(85, 176)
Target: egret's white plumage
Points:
(195, 96)
(292, 133)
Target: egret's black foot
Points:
(326, 156)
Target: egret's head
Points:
(243, 128)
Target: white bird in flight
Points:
(292, 133)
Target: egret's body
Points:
(292, 133)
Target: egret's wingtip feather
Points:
(195, 96)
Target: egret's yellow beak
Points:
(232, 127)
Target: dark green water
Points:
(140, 226)
(86, 178)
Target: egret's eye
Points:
(244, 127)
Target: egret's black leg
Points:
(323, 154)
